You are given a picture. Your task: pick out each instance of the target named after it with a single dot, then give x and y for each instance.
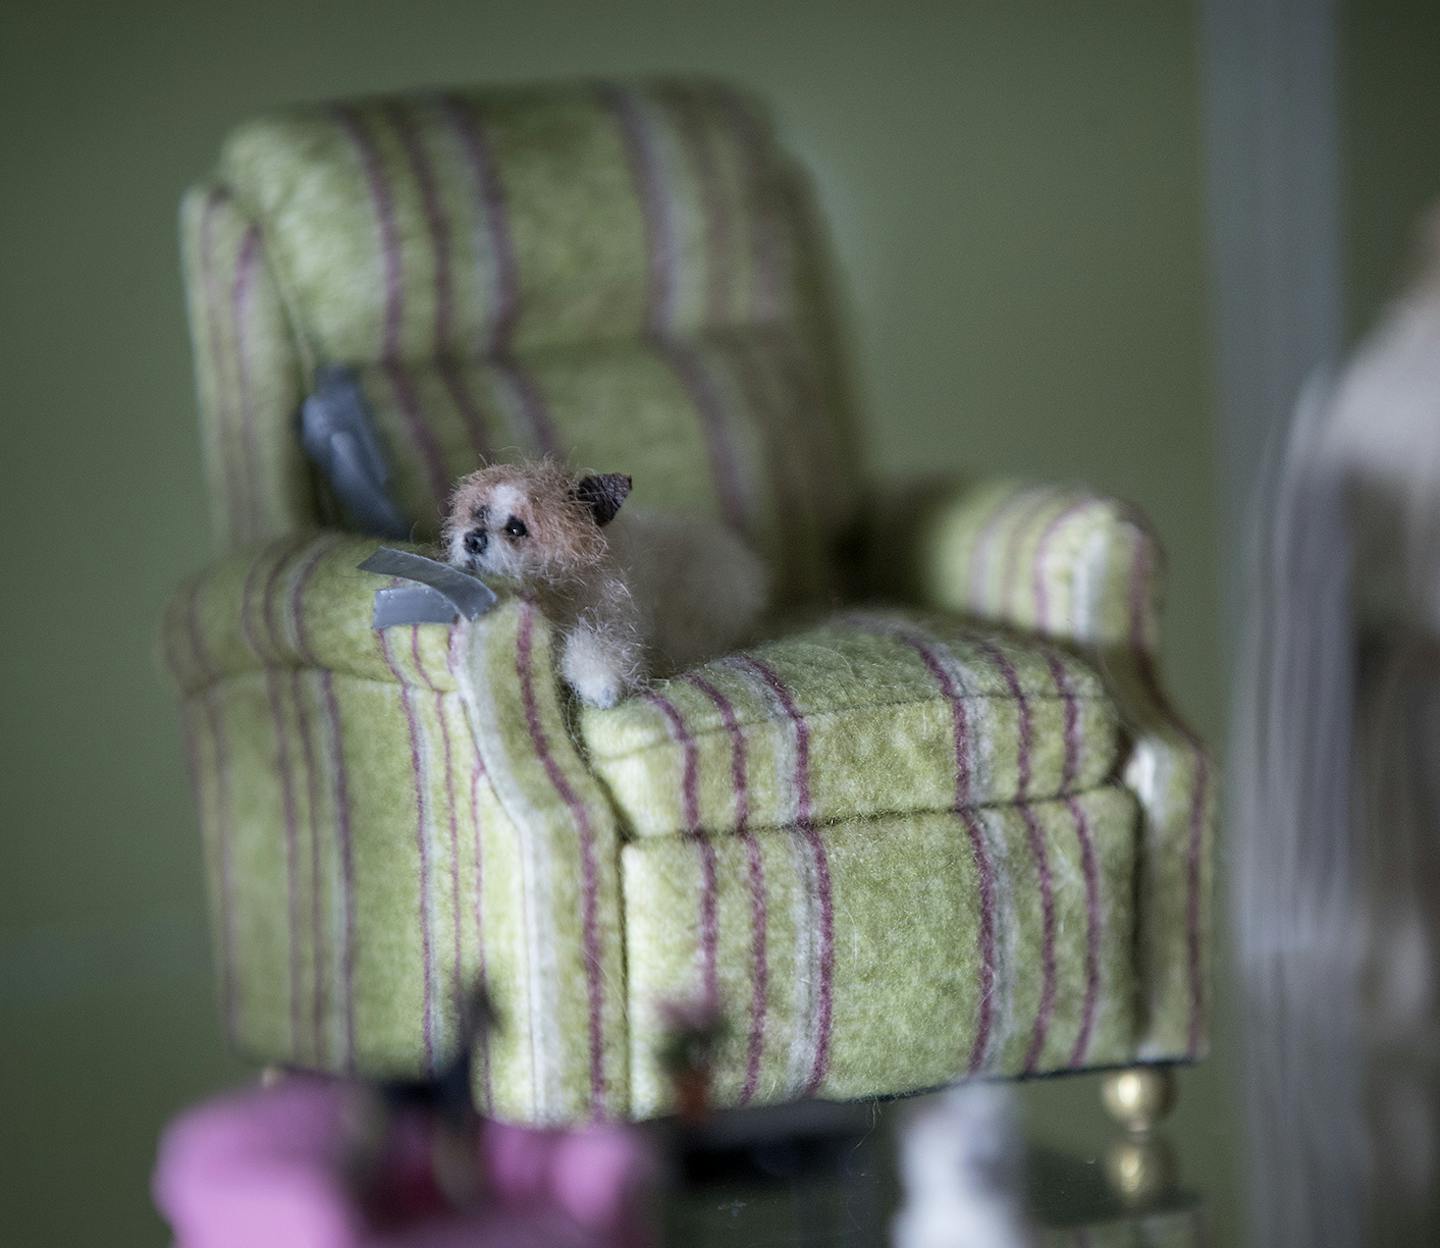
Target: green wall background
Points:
(1014, 190)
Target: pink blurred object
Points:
(278, 1166)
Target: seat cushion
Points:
(864, 714)
(896, 953)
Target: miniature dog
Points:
(632, 594)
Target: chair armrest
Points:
(1084, 570)
(297, 602)
(1049, 559)
(409, 807)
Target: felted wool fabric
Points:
(901, 953)
(1083, 570)
(389, 815)
(895, 847)
(382, 829)
(868, 713)
(619, 275)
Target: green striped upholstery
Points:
(881, 697)
(705, 425)
(384, 821)
(600, 272)
(893, 847)
(1062, 563)
(898, 953)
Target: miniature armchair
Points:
(894, 846)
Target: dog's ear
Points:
(603, 494)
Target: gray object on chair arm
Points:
(340, 440)
(437, 594)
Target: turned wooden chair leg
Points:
(1140, 1097)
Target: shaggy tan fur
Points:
(632, 594)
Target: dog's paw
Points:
(593, 670)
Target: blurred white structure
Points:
(960, 1169)
(1336, 786)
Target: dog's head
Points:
(531, 522)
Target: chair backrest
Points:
(625, 276)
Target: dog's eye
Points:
(480, 514)
(515, 527)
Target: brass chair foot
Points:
(1141, 1170)
(1139, 1098)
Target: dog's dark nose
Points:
(475, 541)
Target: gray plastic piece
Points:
(438, 594)
(340, 439)
(411, 604)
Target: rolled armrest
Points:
(297, 602)
(1050, 559)
(388, 816)
(1084, 570)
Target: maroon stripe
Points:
(755, 874)
(769, 260)
(341, 797)
(1140, 575)
(685, 362)
(457, 986)
(353, 125)
(268, 656)
(698, 139)
(803, 814)
(1043, 1014)
(984, 871)
(1092, 932)
(805, 822)
(1041, 580)
(827, 957)
(640, 150)
(491, 195)
(438, 475)
(590, 884)
(417, 775)
(307, 758)
(435, 222)
(1022, 708)
(963, 796)
(383, 201)
(1012, 562)
(229, 995)
(1072, 721)
(690, 787)
(526, 396)
(476, 423)
(690, 782)
(297, 597)
(1036, 837)
(243, 284)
